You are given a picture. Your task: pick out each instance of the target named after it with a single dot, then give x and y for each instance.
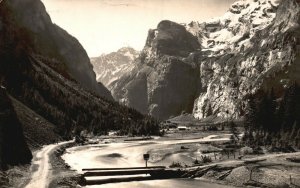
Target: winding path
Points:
(40, 176)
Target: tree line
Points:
(272, 121)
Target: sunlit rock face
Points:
(165, 79)
(110, 67)
(210, 68)
(253, 46)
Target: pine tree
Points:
(289, 103)
(271, 111)
(250, 117)
(234, 132)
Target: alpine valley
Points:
(48, 88)
(210, 104)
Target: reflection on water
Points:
(178, 183)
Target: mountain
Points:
(254, 46)
(211, 68)
(110, 67)
(54, 42)
(165, 80)
(51, 92)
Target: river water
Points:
(130, 154)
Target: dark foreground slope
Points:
(13, 148)
(53, 88)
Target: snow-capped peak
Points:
(235, 29)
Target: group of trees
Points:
(71, 108)
(62, 101)
(273, 121)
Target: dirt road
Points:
(41, 166)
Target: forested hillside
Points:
(273, 121)
(44, 79)
(13, 148)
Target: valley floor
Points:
(270, 170)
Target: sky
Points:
(104, 26)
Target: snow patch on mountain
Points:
(234, 30)
(211, 68)
(240, 50)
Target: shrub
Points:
(205, 159)
(176, 165)
(212, 128)
(246, 150)
(258, 151)
(196, 161)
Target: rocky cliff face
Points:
(165, 79)
(110, 67)
(254, 46)
(52, 41)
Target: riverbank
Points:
(271, 170)
(62, 174)
(15, 177)
(265, 170)
(42, 170)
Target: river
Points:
(130, 154)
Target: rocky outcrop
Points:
(110, 67)
(13, 148)
(251, 48)
(52, 41)
(254, 46)
(165, 79)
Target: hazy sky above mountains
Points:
(103, 26)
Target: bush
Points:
(196, 161)
(246, 151)
(176, 165)
(212, 128)
(183, 147)
(206, 159)
(258, 151)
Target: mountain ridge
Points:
(110, 67)
(47, 96)
(251, 46)
(50, 40)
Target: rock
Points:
(249, 64)
(110, 67)
(219, 66)
(162, 84)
